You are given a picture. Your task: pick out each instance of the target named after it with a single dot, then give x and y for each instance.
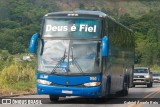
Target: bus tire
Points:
(53, 98)
(108, 86)
(125, 89)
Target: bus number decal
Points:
(93, 78)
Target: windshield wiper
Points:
(75, 62)
(60, 61)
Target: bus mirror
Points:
(33, 42)
(105, 46)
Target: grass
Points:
(17, 88)
(155, 68)
(18, 78)
(23, 87)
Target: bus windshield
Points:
(69, 56)
(72, 28)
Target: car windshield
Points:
(69, 56)
(140, 70)
(72, 28)
(156, 75)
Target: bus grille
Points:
(80, 86)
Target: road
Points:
(141, 93)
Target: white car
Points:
(142, 76)
(156, 77)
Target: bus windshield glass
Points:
(72, 28)
(69, 56)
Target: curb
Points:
(16, 95)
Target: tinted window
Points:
(140, 70)
(156, 74)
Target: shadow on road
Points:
(86, 101)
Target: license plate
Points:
(67, 92)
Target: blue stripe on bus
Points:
(73, 85)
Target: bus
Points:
(83, 53)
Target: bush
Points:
(17, 72)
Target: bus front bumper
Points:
(69, 91)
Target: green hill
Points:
(20, 19)
(135, 8)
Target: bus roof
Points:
(81, 12)
(85, 13)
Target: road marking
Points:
(156, 91)
(147, 96)
(139, 105)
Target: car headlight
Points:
(147, 76)
(92, 84)
(44, 82)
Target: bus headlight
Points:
(44, 82)
(147, 76)
(92, 84)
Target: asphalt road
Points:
(139, 96)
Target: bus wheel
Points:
(125, 89)
(53, 98)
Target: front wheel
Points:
(124, 91)
(125, 86)
(150, 84)
(53, 98)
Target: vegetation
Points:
(147, 37)
(16, 76)
(21, 18)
